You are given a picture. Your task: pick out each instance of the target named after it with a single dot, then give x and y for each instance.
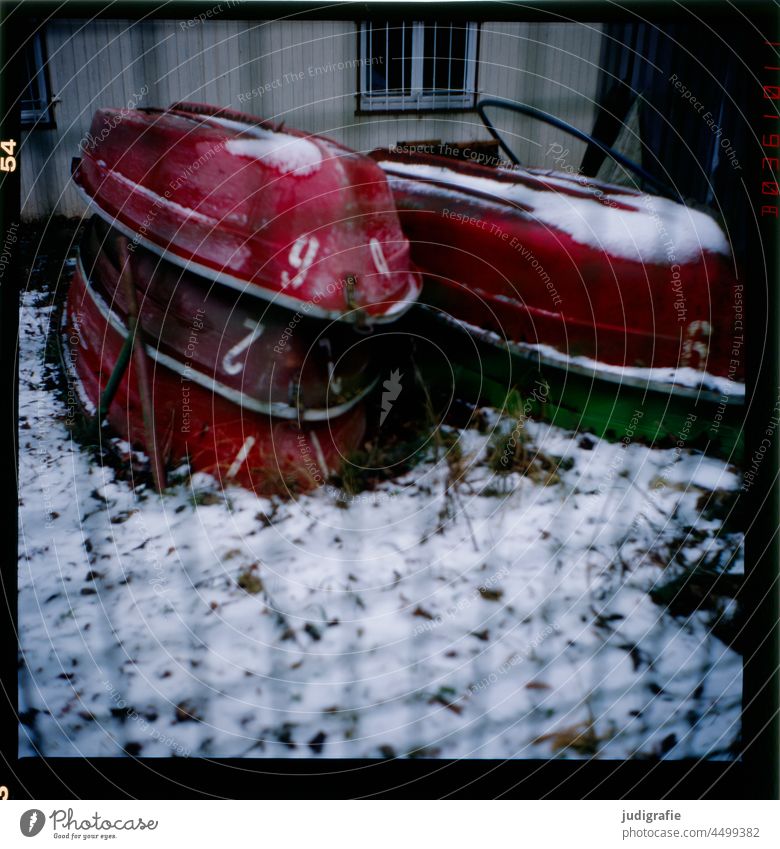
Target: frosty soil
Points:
(238, 626)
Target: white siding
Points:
(107, 63)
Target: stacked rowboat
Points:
(253, 255)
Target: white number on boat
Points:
(230, 362)
(241, 456)
(300, 260)
(697, 341)
(379, 258)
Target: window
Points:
(36, 105)
(417, 65)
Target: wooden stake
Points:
(110, 389)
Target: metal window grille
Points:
(415, 65)
(36, 96)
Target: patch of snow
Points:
(284, 153)
(281, 151)
(230, 124)
(682, 376)
(488, 619)
(578, 181)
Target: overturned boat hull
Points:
(296, 219)
(585, 268)
(624, 307)
(262, 357)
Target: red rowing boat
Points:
(573, 269)
(241, 389)
(294, 218)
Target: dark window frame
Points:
(41, 115)
(419, 100)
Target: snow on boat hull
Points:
(588, 269)
(296, 219)
(224, 436)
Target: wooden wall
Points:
(153, 63)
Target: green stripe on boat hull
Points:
(486, 373)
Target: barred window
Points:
(417, 66)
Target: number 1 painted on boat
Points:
(379, 257)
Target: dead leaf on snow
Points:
(581, 738)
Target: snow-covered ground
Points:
(504, 617)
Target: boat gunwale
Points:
(357, 315)
(533, 179)
(566, 364)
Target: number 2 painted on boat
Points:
(230, 362)
(300, 260)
